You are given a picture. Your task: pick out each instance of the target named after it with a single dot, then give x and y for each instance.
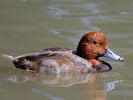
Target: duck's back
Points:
(53, 60)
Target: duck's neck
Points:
(86, 52)
(81, 50)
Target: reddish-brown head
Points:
(92, 45)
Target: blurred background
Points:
(31, 25)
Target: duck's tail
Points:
(8, 57)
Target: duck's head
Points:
(94, 45)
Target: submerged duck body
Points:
(59, 60)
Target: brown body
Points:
(57, 60)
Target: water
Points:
(30, 25)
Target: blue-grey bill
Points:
(112, 55)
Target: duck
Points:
(85, 59)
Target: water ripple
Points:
(46, 94)
(72, 35)
(57, 12)
(94, 8)
(109, 86)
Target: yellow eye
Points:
(96, 43)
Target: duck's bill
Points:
(112, 55)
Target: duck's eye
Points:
(96, 43)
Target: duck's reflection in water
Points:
(61, 80)
(90, 87)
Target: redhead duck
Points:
(59, 60)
